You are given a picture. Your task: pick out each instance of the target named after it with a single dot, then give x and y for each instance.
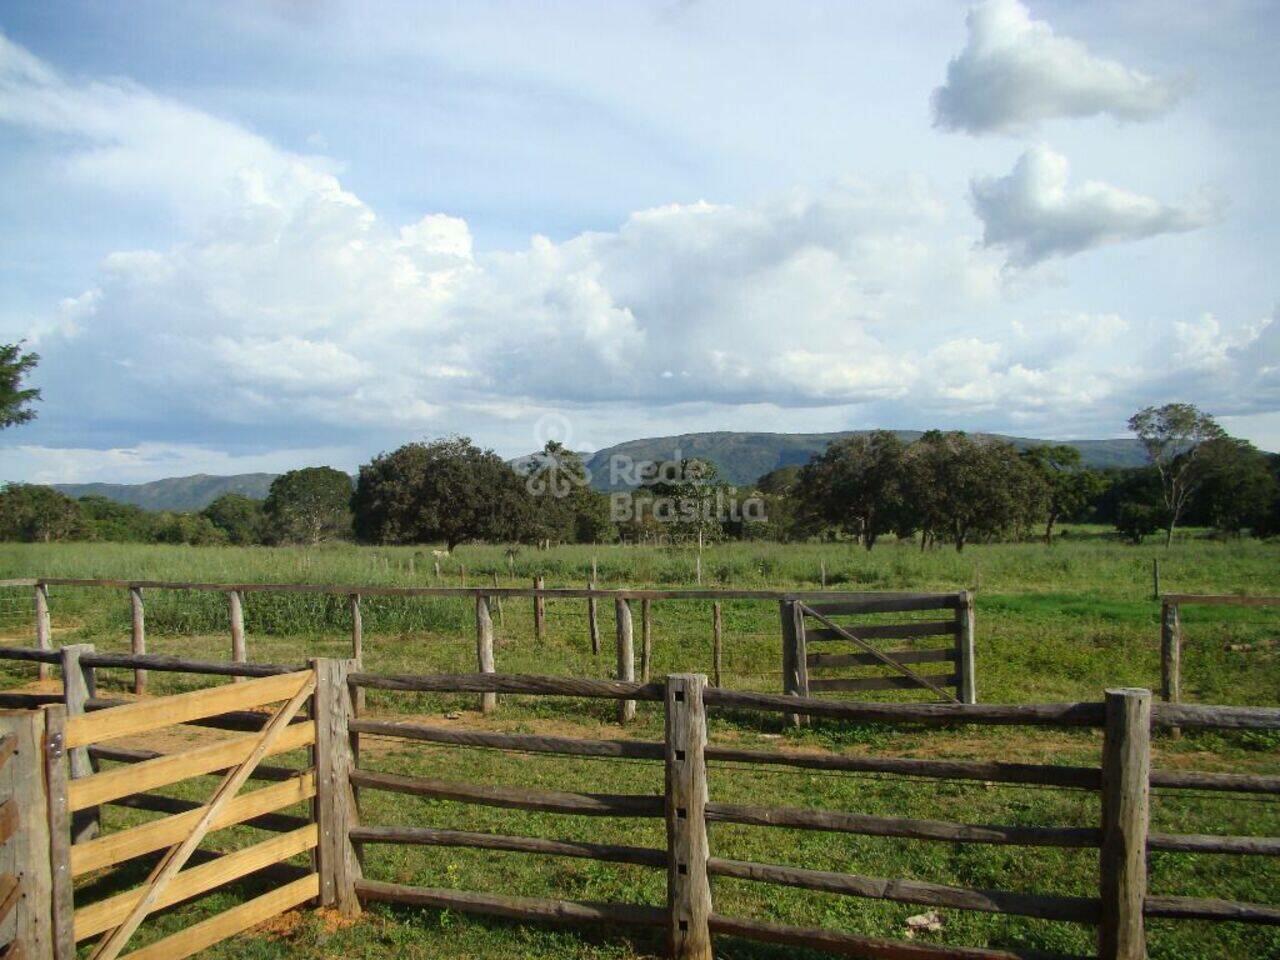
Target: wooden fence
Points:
(793, 609)
(76, 727)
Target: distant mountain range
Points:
(742, 458)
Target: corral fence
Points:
(795, 611)
(59, 841)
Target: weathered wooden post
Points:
(335, 806)
(1126, 771)
(138, 638)
(688, 888)
(1155, 579)
(539, 610)
(966, 661)
(25, 854)
(626, 656)
(790, 672)
(357, 629)
(497, 600)
(61, 900)
(484, 650)
(717, 640)
(593, 620)
(79, 685)
(646, 639)
(235, 610)
(1171, 657)
(43, 626)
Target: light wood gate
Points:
(114, 919)
(842, 644)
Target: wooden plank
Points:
(30, 654)
(335, 802)
(172, 768)
(230, 922)
(25, 851)
(966, 659)
(895, 631)
(626, 657)
(516, 798)
(1126, 771)
(1046, 907)
(887, 603)
(1215, 717)
(484, 650)
(431, 837)
(872, 826)
(932, 714)
(851, 945)
(1089, 778)
(826, 661)
(124, 845)
(510, 683)
(10, 894)
(1231, 782)
(688, 887)
(217, 668)
(528, 742)
(1212, 843)
(109, 947)
(104, 914)
(883, 683)
(138, 637)
(885, 658)
(9, 818)
(61, 900)
(1195, 908)
(147, 715)
(131, 755)
(514, 908)
(156, 803)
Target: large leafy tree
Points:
(564, 507)
(309, 506)
(1067, 487)
(32, 513)
(241, 518)
(109, 520)
(1172, 436)
(1237, 488)
(447, 490)
(15, 398)
(686, 496)
(857, 485)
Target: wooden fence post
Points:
(357, 629)
(593, 620)
(26, 853)
(626, 656)
(1155, 579)
(62, 903)
(138, 637)
(497, 600)
(646, 640)
(1126, 771)
(539, 611)
(336, 811)
(966, 661)
(235, 608)
(43, 625)
(688, 889)
(484, 649)
(1170, 653)
(790, 673)
(717, 643)
(79, 684)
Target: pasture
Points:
(1053, 624)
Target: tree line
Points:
(945, 488)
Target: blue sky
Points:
(261, 235)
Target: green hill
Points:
(174, 493)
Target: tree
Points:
(856, 485)
(564, 506)
(1237, 488)
(15, 399)
(241, 518)
(686, 499)
(1172, 436)
(1068, 488)
(109, 520)
(447, 489)
(32, 513)
(193, 529)
(309, 506)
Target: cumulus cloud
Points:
(1033, 214)
(1015, 72)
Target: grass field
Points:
(1058, 623)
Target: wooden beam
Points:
(335, 801)
(78, 687)
(688, 889)
(484, 650)
(514, 798)
(1126, 770)
(966, 658)
(25, 852)
(626, 657)
(138, 637)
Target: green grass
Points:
(1053, 624)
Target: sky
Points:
(261, 235)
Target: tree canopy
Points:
(16, 399)
(309, 506)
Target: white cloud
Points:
(1015, 72)
(1033, 214)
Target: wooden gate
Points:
(845, 644)
(77, 789)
